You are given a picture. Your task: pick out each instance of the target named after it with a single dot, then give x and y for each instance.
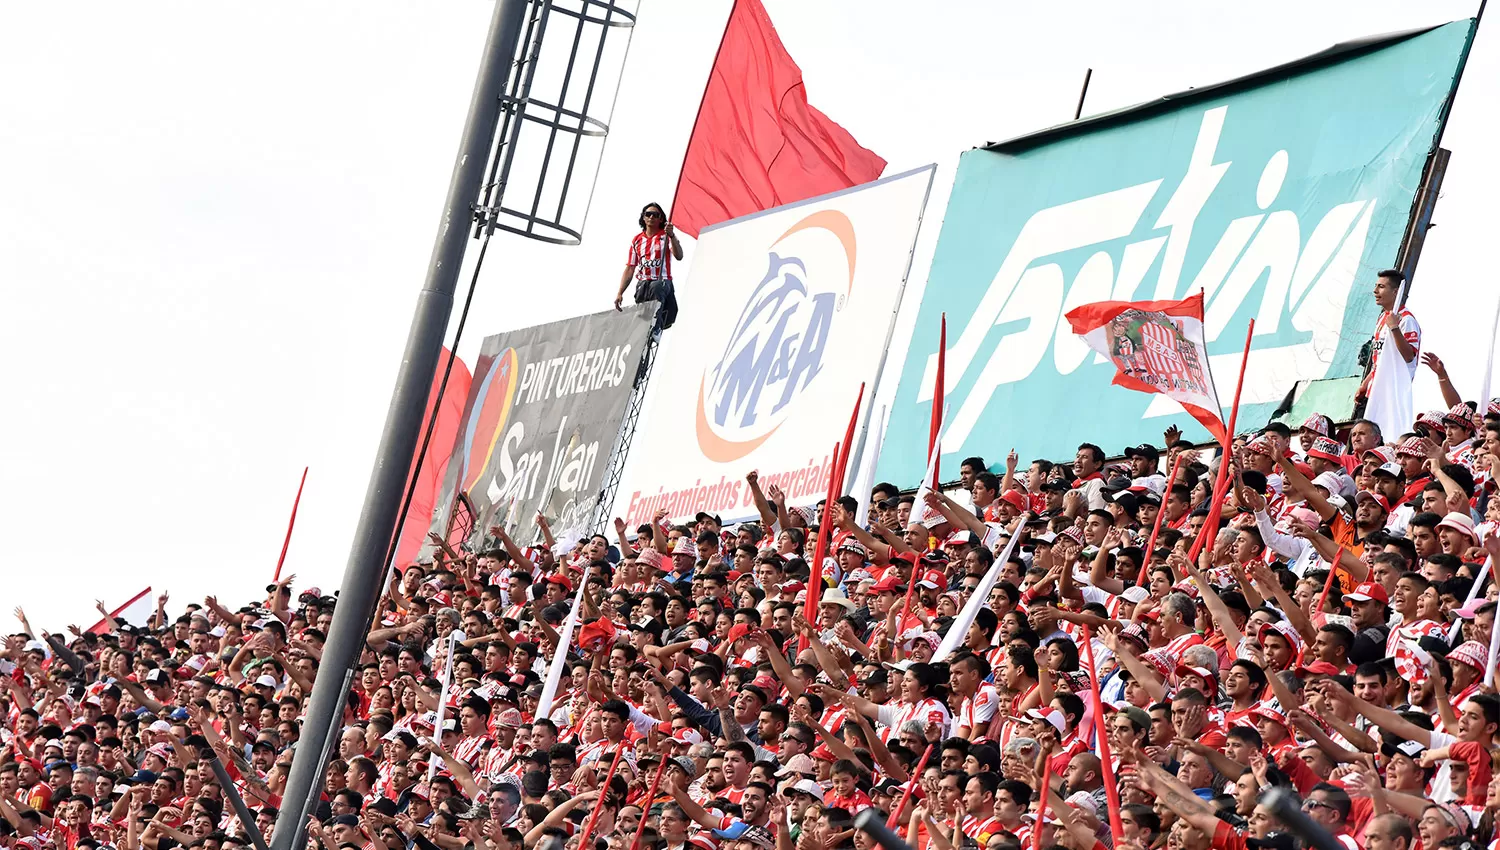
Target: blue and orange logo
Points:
(488, 416)
(776, 348)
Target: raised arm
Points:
(1178, 797)
(1293, 478)
(1211, 600)
(1451, 398)
(762, 504)
(516, 553)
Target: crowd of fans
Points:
(1331, 639)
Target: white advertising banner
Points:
(783, 315)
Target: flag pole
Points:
(820, 551)
(285, 544)
(1211, 527)
(698, 116)
(1111, 792)
(934, 431)
(1156, 528)
(911, 785)
(1041, 812)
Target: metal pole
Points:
(362, 584)
(1088, 74)
(247, 818)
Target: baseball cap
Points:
(1052, 716)
(1365, 591)
(808, 787)
(934, 579)
(1378, 499)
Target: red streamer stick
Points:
(911, 785)
(1101, 732)
(291, 523)
(646, 804)
(815, 569)
(588, 830)
(1143, 578)
(1211, 527)
(1041, 812)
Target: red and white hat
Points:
(1261, 446)
(1383, 502)
(1327, 448)
(1286, 630)
(1014, 499)
(1432, 419)
(1365, 591)
(1411, 447)
(684, 547)
(1470, 652)
(1052, 716)
(1384, 454)
(1316, 423)
(1460, 522)
(934, 579)
(1461, 415)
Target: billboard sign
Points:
(784, 314)
(1278, 196)
(541, 420)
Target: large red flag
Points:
(430, 479)
(757, 142)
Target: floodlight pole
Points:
(366, 567)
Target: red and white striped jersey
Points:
(470, 750)
(978, 710)
(651, 256)
(1409, 329)
(1159, 350)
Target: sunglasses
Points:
(651, 214)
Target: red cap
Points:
(1014, 499)
(935, 578)
(559, 578)
(1365, 591)
(1320, 668)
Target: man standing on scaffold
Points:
(650, 262)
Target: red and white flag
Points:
(1157, 347)
(135, 612)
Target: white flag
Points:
(959, 628)
(560, 655)
(864, 475)
(1389, 405)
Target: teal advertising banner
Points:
(1279, 195)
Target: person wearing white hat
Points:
(1456, 533)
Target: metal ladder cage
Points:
(553, 130)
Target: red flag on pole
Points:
(425, 497)
(1157, 347)
(757, 143)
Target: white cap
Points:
(1135, 594)
(807, 786)
(265, 682)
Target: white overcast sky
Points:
(214, 218)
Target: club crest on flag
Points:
(1157, 347)
(1152, 348)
